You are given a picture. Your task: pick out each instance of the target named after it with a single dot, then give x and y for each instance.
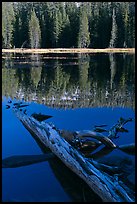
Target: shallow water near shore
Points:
(79, 91)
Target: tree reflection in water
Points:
(76, 81)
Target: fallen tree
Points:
(109, 188)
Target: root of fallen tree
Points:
(107, 187)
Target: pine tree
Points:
(34, 31)
(68, 24)
(21, 26)
(65, 30)
(7, 24)
(103, 26)
(130, 25)
(83, 35)
(125, 21)
(56, 27)
(113, 38)
(73, 15)
(66, 36)
(17, 32)
(94, 24)
(46, 24)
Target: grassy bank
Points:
(70, 50)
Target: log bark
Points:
(104, 185)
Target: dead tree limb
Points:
(104, 185)
(118, 127)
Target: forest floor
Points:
(69, 50)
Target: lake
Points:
(79, 91)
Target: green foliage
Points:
(68, 24)
(7, 24)
(56, 28)
(34, 31)
(113, 38)
(83, 35)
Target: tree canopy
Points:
(68, 24)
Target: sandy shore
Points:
(70, 50)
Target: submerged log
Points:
(108, 188)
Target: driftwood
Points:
(107, 187)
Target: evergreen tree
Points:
(43, 31)
(103, 26)
(34, 31)
(65, 30)
(7, 24)
(68, 24)
(55, 30)
(94, 24)
(66, 35)
(131, 25)
(125, 21)
(83, 35)
(17, 32)
(119, 21)
(41, 12)
(22, 11)
(113, 38)
(73, 16)
(56, 25)
(46, 24)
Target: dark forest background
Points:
(68, 24)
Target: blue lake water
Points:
(79, 93)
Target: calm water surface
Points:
(79, 91)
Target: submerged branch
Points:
(104, 185)
(118, 127)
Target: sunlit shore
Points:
(70, 50)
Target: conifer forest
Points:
(68, 24)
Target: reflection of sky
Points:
(32, 183)
(37, 182)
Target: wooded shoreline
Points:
(69, 50)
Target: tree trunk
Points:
(104, 185)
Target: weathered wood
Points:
(105, 140)
(105, 186)
(118, 127)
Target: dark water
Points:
(79, 91)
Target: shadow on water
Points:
(75, 187)
(78, 91)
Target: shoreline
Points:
(69, 50)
